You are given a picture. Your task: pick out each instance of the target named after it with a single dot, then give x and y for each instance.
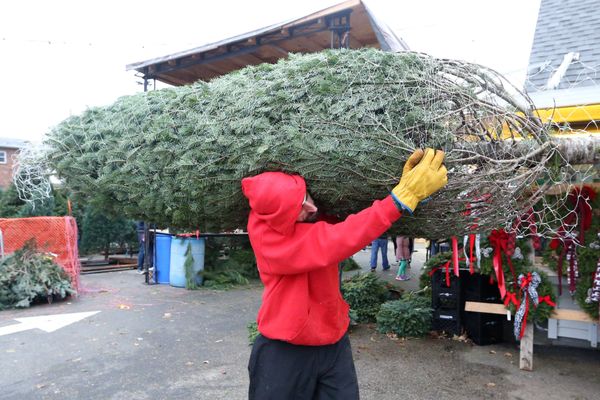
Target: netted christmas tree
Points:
(346, 120)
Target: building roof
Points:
(12, 143)
(348, 24)
(566, 46)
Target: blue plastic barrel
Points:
(178, 248)
(162, 257)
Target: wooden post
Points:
(526, 354)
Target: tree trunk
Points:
(575, 148)
(579, 148)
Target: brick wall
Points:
(6, 168)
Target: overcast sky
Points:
(59, 57)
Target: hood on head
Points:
(275, 198)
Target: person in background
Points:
(411, 246)
(381, 243)
(141, 228)
(403, 256)
(303, 350)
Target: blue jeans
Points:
(375, 246)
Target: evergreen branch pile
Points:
(408, 317)
(364, 293)
(344, 119)
(27, 276)
(228, 262)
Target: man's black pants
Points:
(283, 371)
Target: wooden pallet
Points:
(121, 259)
(100, 268)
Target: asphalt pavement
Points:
(161, 342)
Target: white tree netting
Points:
(346, 120)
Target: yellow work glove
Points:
(424, 174)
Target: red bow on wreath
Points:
(511, 298)
(502, 243)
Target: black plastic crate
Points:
(484, 329)
(438, 283)
(477, 287)
(446, 300)
(444, 296)
(448, 321)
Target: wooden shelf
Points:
(559, 313)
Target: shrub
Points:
(252, 332)
(407, 317)
(364, 293)
(350, 265)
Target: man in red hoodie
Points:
(303, 351)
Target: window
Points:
(2, 157)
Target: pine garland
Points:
(346, 120)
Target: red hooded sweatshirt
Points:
(298, 262)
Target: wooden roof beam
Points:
(282, 52)
(293, 32)
(255, 59)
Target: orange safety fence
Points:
(56, 235)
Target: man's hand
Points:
(423, 175)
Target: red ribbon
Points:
(511, 298)
(499, 240)
(566, 245)
(455, 255)
(524, 283)
(547, 300)
(581, 198)
(446, 267)
(471, 245)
